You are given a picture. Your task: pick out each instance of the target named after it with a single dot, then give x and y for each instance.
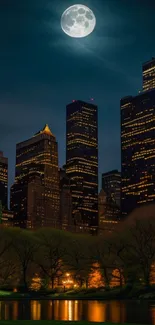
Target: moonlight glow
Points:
(78, 21)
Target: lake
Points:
(94, 311)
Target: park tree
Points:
(103, 255)
(25, 247)
(142, 246)
(117, 279)
(79, 258)
(5, 240)
(95, 277)
(134, 245)
(8, 269)
(124, 262)
(51, 254)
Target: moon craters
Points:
(81, 11)
(70, 22)
(86, 24)
(74, 13)
(89, 15)
(78, 21)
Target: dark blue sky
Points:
(42, 69)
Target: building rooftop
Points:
(45, 130)
(153, 59)
(111, 172)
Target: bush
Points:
(6, 287)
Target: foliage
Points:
(103, 255)
(125, 257)
(79, 259)
(24, 245)
(52, 251)
(95, 277)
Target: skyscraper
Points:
(149, 75)
(138, 149)
(35, 196)
(82, 161)
(108, 213)
(111, 184)
(65, 201)
(3, 181)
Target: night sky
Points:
(42, 69)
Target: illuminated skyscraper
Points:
(35, 196)
(138, 150)
(3, 181)
(109, 213)
(65, 201)
(149, 75)
(82, 161)
(111, 184)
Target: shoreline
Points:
(80, 298)
(123, 294)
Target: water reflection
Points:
(35, 310)
(15, 310)
(96, 311)
(93, 311)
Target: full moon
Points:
(78, 21)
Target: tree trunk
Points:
(52, 281)
(121, 280)
(147, 278)
(24, 279)
(106, 278)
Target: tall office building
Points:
(35, 196)
(138, 150)
(65, 201)
(111, 184)
(82, 161)
(149, 75)
(109, 213)
(3, 181)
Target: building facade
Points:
(35, 195)
(109, 213)
(138, 149)
(149, 75)
(66, 221)
(7, 219)
(82, 161)
(3, 181)
(111, 184)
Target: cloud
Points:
(96, 48)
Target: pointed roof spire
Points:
(46, 130)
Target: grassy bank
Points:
(90, 294)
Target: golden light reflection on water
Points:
(63, 310)
(94, 311)
(6, 311)
(117, 312)
(35, 310)
(15, 310)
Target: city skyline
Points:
(82, 160)
(138, 144)
(42, 70)
(77, 161)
